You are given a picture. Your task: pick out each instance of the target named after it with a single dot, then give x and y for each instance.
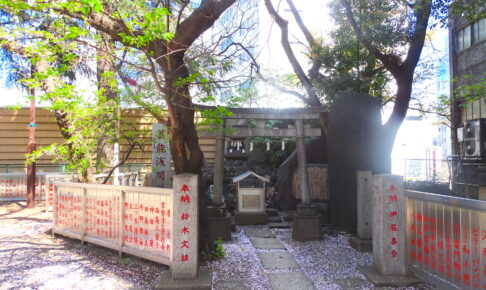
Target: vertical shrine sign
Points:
(185, 245)
(160, 156)
(389, 225)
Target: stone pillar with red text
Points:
(185, 228)
(389, 225)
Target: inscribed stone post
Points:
(389, 225)
(160, 156)
(365, 200)
(185, 228)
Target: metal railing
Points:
(430, 170)
(132, 220)
(446, 240)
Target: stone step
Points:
(288, 217)
(277, 260)
(274, 219)
(259, 232)
(230, 285)
(250, 218)
(267, 243)
(290, 280)
(272, 212)
(281, 225)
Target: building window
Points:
(460, 40)
(481, 28)
(471, 34)
(467, 37)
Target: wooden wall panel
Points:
(14, 135)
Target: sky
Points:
(9, 96)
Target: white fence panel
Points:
(133, 220)
(13, 186)
(125, 178)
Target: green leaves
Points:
(145, 24)
(92, 4)
(472, 91)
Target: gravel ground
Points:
(31, 258)
(328, 260)
(240, 263)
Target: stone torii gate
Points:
(306, 222)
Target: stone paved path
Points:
(279, 265)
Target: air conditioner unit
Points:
(472, 148)
(474, 137)
(471, 129)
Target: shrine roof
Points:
(248, 173)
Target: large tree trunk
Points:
(184, 141)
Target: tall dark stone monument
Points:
(353, 144)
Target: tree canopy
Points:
(154, 42)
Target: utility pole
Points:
(30, 150)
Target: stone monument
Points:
(353, 144)
(184, 268)
(389, 257)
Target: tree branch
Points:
(298, 19)
(199, 21)
(313, 99)
(179, 17)
(122, 161)
(422, 12)
(390, 61)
